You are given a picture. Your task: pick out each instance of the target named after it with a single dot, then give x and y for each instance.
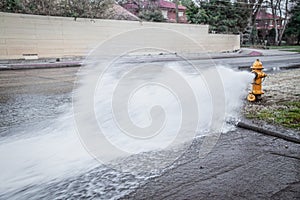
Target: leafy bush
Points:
(152, 15)
(66, 8)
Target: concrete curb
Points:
(273, 133)
(286, 67)
(205, 56)
(39, 65)
(77, 62)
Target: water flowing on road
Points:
(48, 157)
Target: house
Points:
(265, 24)
(132, 6)
(167, 8)
(264, 21)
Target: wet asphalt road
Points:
(32, 96)
(243, 164)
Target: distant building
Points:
(264, 25)
(167, 8)
(264, 21)
(132, 6)
(169, 11)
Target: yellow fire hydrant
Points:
(257, 91)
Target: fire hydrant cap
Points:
(257, 65)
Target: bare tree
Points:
(285, 20)
(274, 7)
(280, 12)
(256, 6)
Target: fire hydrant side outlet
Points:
(257, 91)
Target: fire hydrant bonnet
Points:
(257, 65)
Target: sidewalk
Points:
(40, 63)
(161, 57)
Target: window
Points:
(165, 14)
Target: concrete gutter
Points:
(282, 135)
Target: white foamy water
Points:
(56, 152)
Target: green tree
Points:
(222, 16)
(66, 8)
(10, 6)
(195, 14)
(151, 15)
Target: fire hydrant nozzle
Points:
(257, 91)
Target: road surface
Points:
(242, 165)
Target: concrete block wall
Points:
(63, 37)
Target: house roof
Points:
(168, 4)
(118, 12)
(130, 5)
(265, 15)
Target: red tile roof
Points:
(264, 15)
(167, 4)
